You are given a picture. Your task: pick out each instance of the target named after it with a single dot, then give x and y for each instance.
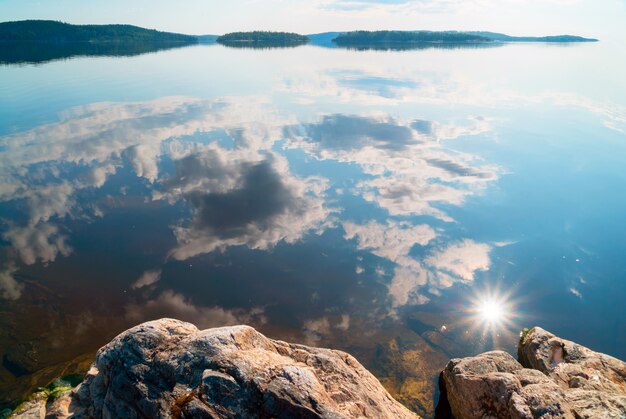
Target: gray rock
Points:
(556, 378)
(168, 368)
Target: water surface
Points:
(368, 201)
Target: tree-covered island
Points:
(59, 32)
(262, 39)
(406, 37)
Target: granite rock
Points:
(170, 369)
(556, 378)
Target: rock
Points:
(167, 368)
(556, 378)
(35, 408)
(595, 383)
(571, 365)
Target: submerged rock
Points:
(168, 368)
(556, 378)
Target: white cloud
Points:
(49, 201)
(101, 137)
(41, 241)
(147, 278)
(576, 292)
(10, 289)
(456, 263)
(411, 171)
(392, 240)
(171, 304)
(461, 259)
(406, 284)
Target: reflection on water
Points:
(43, 52)
(341, 202)
(400, 46)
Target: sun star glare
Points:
(491, 311)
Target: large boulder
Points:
(168, 368)
(556, 378)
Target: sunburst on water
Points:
(493, 312)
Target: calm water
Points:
(363, 200)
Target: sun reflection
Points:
(493, 314)
(491, 311)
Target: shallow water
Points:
(370, 201)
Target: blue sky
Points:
(599, 18)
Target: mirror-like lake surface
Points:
(404, 206)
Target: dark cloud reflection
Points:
(260, 196)
(242, 198)
(348, 132)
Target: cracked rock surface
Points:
(554, 378)
(170, 369)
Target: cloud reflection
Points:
(240, 199)
(42, 241)
(92, 142)
(411, 172)
(392, 240)
(171, 304)
(245, 193)
(10, 289)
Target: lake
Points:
(404, 206)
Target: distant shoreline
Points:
(53, 31)
(64, 34)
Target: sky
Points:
(603, 19)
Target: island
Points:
(40, 41)
(53, 31)
(407, 37)
(500, 37)
(262, 39)
(398, 40)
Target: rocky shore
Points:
(170, 369)
(554, 378)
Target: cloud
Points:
(461, 259)
(41, 241)
(321, 328)
(411, 172)
(49, 201)
(92, 142)
(171, 304)
(147, 278)
(144, 160)
(408, 172)
(345, 132)
(405, 286)
(99, 135)
(576, 292)
(399, 82)
(242, 200)
(455, 263)
(441, 268)
(392, 240)
(10, 289)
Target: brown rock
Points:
(494, 384)
(594, 383)
(562, 379)
(169, 368)
(35, 408)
